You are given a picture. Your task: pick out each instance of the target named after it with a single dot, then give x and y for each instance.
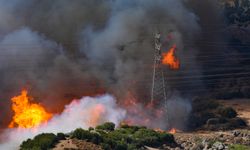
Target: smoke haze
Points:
(63, 50)
(85, 47)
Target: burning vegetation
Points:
(26, 113)
(95, 59)
(170, 59)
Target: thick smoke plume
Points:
(84, 113)
(62, 50)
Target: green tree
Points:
(108, 126)
(43, 141)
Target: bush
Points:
(42, 142)
(238, 122)
(134, 137)
(60, 136)
(108, 126)
(225, 124)
(82, 134)
(152, 138)
(239, 147)
(91, 129)
(227, 112)
(131, 129)
(124, 138)
(121, 146)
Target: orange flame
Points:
(170, 59)
(173, 131)
(26, 114)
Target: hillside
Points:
(105, 136)
(128, 137)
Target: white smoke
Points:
(84, 113)
(178, 110)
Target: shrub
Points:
(239, 147)
(131, 129)
(91, 129)
(152, 138)
(124, 138)
(42, 141)
(60, 136)
(227, 112)
(108, 126)
(82, 134)
(121, 146)
(237, 122)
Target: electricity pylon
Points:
(158, 93)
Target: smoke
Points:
(178, 111)
(84, 113)
(61, 50)
(122, 52)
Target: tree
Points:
(82, 134)
(43, 141)
(108, 126)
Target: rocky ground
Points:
(212, 140)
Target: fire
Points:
(170, 59)
(27, 114)
(173, 131)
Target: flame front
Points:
(172, 131)
(26, 114)
(170, 59)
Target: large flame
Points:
(170, 59)
(26, 114)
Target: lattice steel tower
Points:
(158, 93)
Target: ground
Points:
(74, 144)
(213, 140)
